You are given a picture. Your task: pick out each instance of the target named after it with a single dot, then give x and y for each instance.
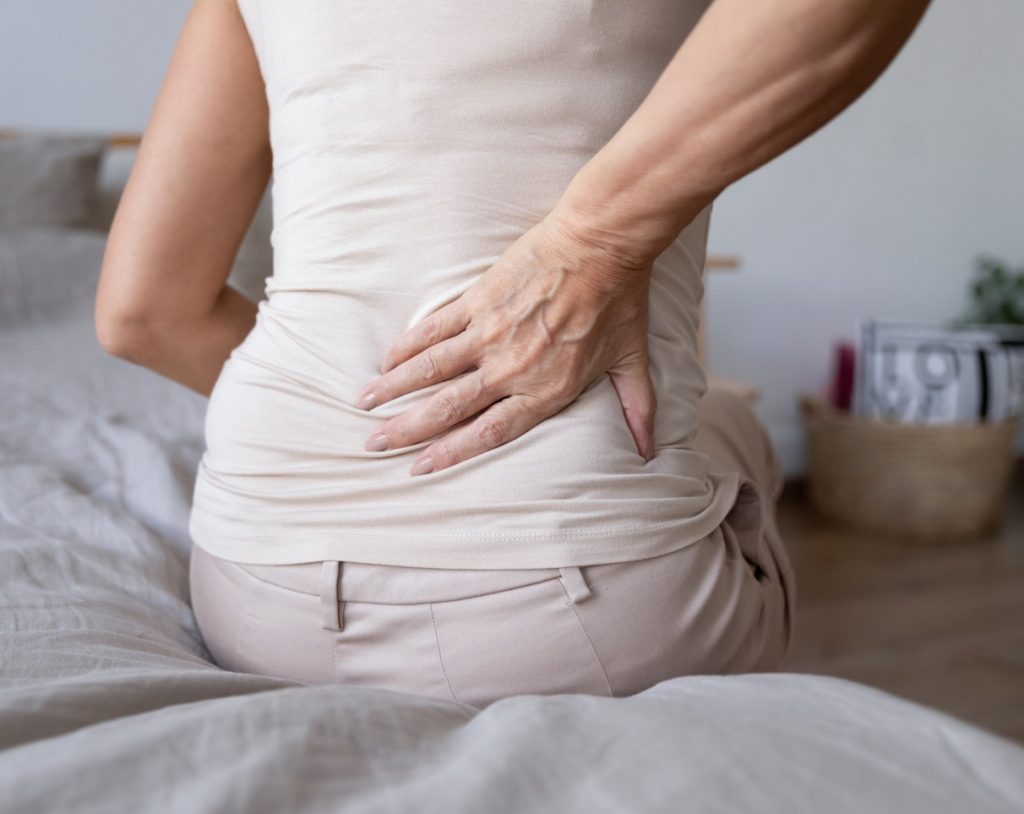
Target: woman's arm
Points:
(753, 79)
(568, 301)
(202, 168)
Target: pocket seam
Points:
(474, 596)
(440, 656)
(233, 635)
(590, 641)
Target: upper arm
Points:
(202, 167)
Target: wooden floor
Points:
(943, 626)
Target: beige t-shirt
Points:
(413, 142)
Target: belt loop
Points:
(330, 596)
(575, 585)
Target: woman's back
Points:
(413, 143)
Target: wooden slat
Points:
(115, 140)
(125, 140)
(721, 262)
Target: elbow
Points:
(126, 334)
(125, 327)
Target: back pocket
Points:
(525, 640)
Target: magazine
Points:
(936, 374)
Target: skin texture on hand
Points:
(567, 302)
(548, 318)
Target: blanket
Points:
(109, 700)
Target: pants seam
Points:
(233, 644)
(440, 656)
(590, 641)
(237, 628)
(253, 576)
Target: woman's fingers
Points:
(438, 326)
(632, 382)
(502, 422)
(552, 314)
(438, 363)
(460, 400)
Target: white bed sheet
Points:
(109, 702)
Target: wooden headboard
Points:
(125, 140)
(115, 140)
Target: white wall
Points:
(93, 65)
(879, 214)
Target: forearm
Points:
(198, 179)
(752, 79)
(191, 352)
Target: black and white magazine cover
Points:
(935, 374)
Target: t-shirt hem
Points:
(287, 545)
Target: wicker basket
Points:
(922, 483)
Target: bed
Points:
(109, 700)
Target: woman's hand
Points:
(555, 312)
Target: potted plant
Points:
(997, 299)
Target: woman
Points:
(461, 448)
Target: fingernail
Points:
(367, 402)
(422, 466)
(377, 442)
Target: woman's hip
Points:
(475, 636)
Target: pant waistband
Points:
(396, 584)
(338, 581)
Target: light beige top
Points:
(413, 142)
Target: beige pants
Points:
(722, 605)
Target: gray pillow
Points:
(48, 180)
(44, 271)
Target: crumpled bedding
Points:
(109, 700)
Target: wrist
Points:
(628, 212)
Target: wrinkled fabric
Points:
(413, 143)
(109, 700)
(725, 604)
